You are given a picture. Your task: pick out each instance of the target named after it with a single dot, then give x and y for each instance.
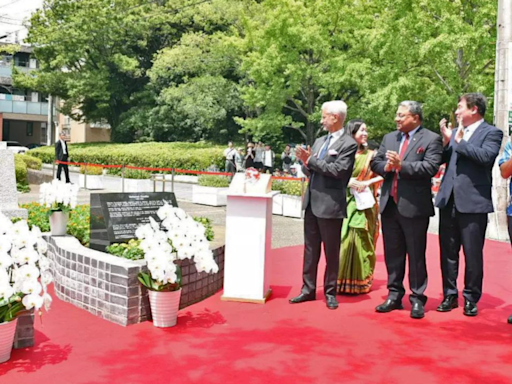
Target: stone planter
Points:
(216, 197)
(137, 185)
(164, 307)
(292, 206)
(93, 181)
(277, 205)
(59, 223)
(7, 331)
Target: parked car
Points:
(16, 147)
(35, 145)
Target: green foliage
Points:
(32, 162)
(21, 170)
(91, 170)
(146, 280)
(78, 224)
(213, 181)
(136, 174)
(194, 156)
(22, 188)
(207, 223)
(129, 250)
(286, 187)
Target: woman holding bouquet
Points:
(361, 227)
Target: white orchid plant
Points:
(24, 269)
(177, 237)
(58, 196)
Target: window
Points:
(30, 129)
(5, 130)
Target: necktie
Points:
(322, 153)
(394, 189)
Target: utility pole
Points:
(49, 130)
(502, 114)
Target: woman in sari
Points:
(361, 227)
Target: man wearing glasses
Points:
(407, 159)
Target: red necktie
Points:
(394, 188)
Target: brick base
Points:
(107, 285)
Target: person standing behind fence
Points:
(62, 154)
(249, 157)
(239, 160)
(288, 159)
(258, 156)
(229, 154)
(268, 160)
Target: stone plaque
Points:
(116, 216)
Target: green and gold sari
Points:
(359, 235)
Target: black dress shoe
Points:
(389, 305)
(470, 308)
(302, 298)
(418, 311)
(510, 319)
(450, 302)
(331, 301)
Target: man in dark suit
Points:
(464, 199)
(407, 159)
(62, 154)
(329, 165)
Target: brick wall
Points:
(107, 286)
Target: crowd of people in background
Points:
(261, 157)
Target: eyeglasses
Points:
(402, 116)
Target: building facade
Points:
(23, 113)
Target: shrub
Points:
(91, 170)
(32, 162)
(78, 224)
(21, 170)
(286, 187)
(22, 188)
(194, 156)
(136, 174)
(213, 181)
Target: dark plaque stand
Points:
(116, 216)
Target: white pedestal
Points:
(248, 245)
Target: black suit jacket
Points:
(326, 192)
(468, 172)
(59, 151)
(419, 164)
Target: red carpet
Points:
(222, 342)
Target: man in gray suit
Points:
(407, 159)
(329, 166)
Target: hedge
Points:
(288, 187)
(213, 181)
(21, 170)
(32, 162)
(194, 156)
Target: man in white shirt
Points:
(268, 160)
(464, 199)
(229, 154)
(62, 154)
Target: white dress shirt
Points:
(411, 134)
(334, 137)
(64, 147)
(470, 129)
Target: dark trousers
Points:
(63, 167)
(509, 218)
(268, 169)
(468, 230)
(405, 236)
(316, 232)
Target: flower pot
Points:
(59, 223)
(215, 197)
(7, 331)
(164, 307)
(292, 206)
